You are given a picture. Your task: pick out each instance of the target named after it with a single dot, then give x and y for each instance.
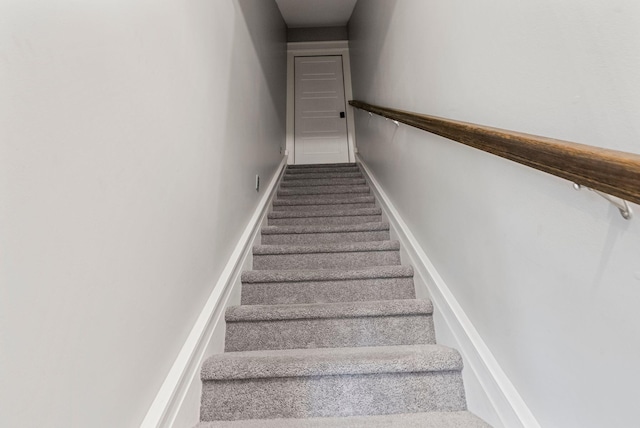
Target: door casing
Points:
(320, 107)
(318, 49)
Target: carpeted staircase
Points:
(329, 333)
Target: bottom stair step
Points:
(406, 420)
(304, 383)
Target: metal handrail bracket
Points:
(623, 206)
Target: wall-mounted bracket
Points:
(394, 121)
(621, 204)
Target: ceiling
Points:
(316, 13)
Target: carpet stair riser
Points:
(322, 286)
(323, 190)
(326, 396)
(325, 198)
(316, 203)
(330, 333)
(355, 290)
(322, 165)
(322, 170)
(288, 178)
(341, 220)
(324, 238)
(331, 213)
(323, 182)
(341, 260)
(323, 206)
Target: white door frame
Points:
(340, 48)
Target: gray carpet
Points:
(329, 333)
(277, 287)
(354, 216)
(407, 420)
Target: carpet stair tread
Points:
(348, 197)
(330, 362)
(326, 206)
(311, 229)
(319, 233)
(334, 213)
(306, 203)
(329, 325)
(322, 169)
(325, 217)
(343, 255)
(323, 165)
(354, 247)
(332, 200)
(323, 190)
(383, 308)
(288, 178)
(355, 181)
(264, 276)
(461, 419)
(273, 287)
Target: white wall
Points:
(549, 276)
(130, 136)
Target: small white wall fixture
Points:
(340, 48)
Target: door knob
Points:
(342, 115)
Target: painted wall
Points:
(130, 136)
(549, 276)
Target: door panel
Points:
(320, 132)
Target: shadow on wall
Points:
(267, 47)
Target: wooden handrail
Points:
(614, 172)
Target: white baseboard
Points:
(507, 403)
(186, 368)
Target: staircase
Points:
(329, 333)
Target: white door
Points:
(320, 122)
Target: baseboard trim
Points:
(503, 396)
(186, 368)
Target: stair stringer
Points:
(177, 402)
(490, 393)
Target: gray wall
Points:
(550, 277)
(130, 136)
